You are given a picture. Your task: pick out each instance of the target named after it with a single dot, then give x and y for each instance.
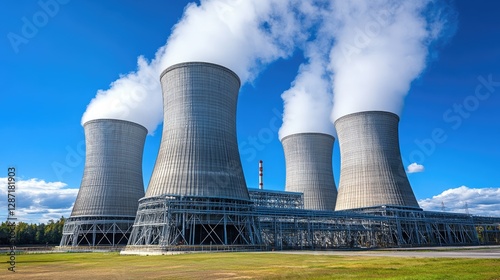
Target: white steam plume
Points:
(381, 46)
(372, 50)
(135, 97)
(241, 35)
(308, 103)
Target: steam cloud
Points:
(372, 51)
(308, 103)
(241, 35)
(361, 55)
(381, 47)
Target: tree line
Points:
(33, 234)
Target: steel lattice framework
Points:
(179, 222)
(96, 231)
(276, 199)
(175, 223)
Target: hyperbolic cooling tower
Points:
(372, 172)
(112, 181)
(199, 152)
(308, 159)
(197, 194)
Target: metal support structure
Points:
(284, 224)
(96, 231)
(276, 199)
(276, 220)
(176, 223)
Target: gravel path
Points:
(479, 252)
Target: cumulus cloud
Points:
(241, 35)
(38, 201)
(481, 202)
(415, 168)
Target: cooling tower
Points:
(372, 172)
(308, 159)
(111, 186)
(197, 194)
(199, 152)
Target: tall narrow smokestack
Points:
(261, 175)
(308, 159)
(199, 152)
(372, 172)
(112, 184)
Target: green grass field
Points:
(245, 266)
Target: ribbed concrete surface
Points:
(199, 153)
(372, 171)
(112, 180)
(308, 159)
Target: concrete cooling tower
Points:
(372, 172)
(112, 184)
(197, 180)
(308, 159)
(199, 152)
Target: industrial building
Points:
(112, 184)
(197, 198)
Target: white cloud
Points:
(481, 202)
(415, 168)
(38, 201)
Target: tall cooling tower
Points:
(197, 194)
(112, 184)
(372, 172)
(199, 152)
(308, 159)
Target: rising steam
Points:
(308, 103)
(380, 48)
(361, 55)
(241, 35)
(375, 49)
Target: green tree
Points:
(4, 234)
(28, 234)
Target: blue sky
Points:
(450, 122)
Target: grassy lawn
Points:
(244, 266)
